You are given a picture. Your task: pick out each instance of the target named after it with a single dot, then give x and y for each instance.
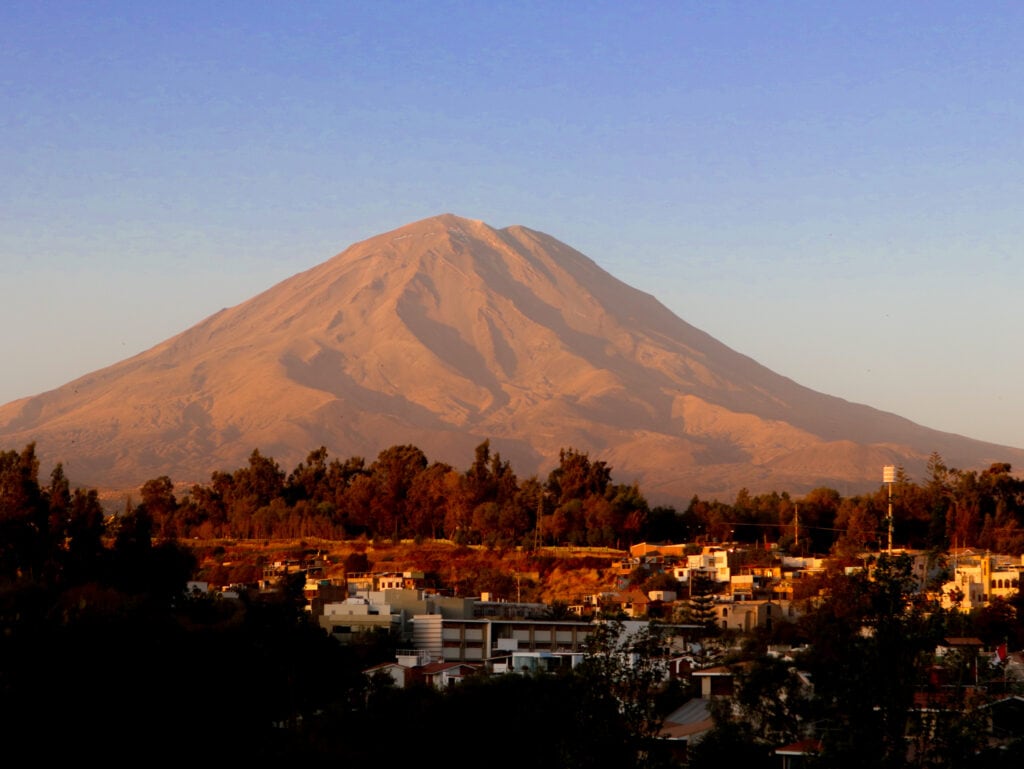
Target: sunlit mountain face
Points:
(447, 332)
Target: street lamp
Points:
(889, 476)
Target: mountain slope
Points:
(445, 332)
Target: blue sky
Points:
(833, 189)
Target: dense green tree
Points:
(965, 514)
(631, 514)
(713, 519)
(577, 477)
(24, 516)
(994, 623)
(818, 510)
(869, 644)
(357, 507)
(58, 499)
(426, 501)
(458, 509)
(700, 605)
(340, 476)
(938, 497)
(628, 665)
(207, 505)
(773, 699)
(666, 524)
(567, 523)
(258, 484)
(486, 523)
(393, 474)
(160, 504)
(309, 480)
(859, 524)
(480, 484)
(731, 742)
(85, 553)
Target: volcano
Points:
(447, 332)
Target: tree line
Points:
(403, 495)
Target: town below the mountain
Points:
(884, 630)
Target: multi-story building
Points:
(362, 582)
(490, 640)
(978, 578)
(712, 562)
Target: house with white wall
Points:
(978, 578)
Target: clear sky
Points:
(834, 189)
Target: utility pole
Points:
(888, 476)
(536, 528)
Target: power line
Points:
(774, 525)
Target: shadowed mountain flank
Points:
(446, 332)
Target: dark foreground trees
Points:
(104, 657)
(602, 713)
